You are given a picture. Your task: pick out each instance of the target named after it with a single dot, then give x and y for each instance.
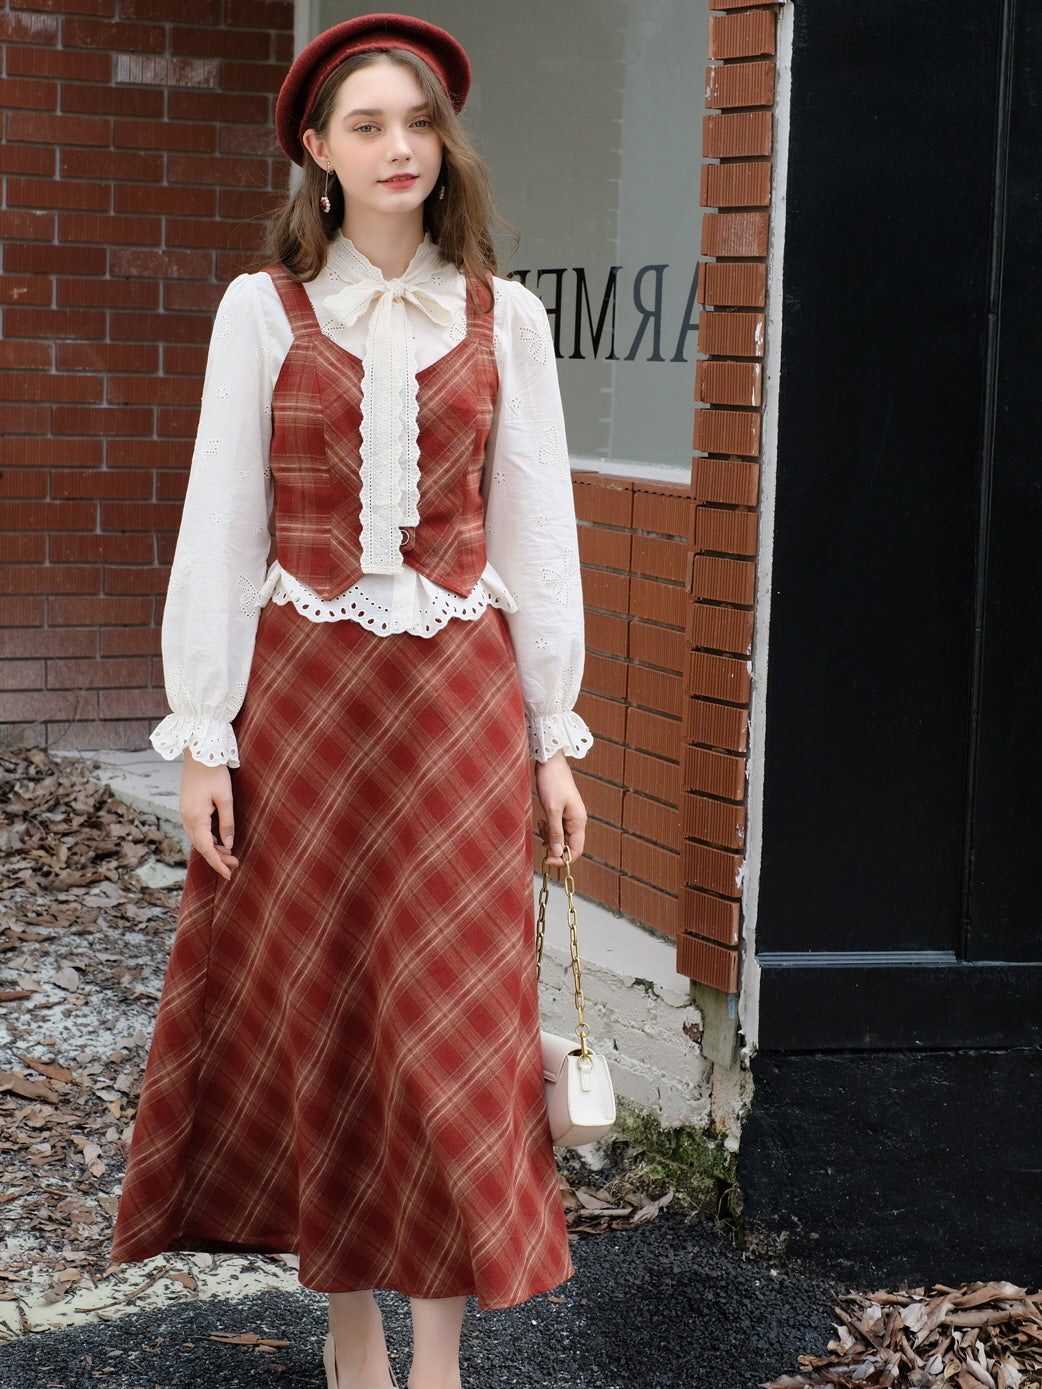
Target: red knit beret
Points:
(439, 50)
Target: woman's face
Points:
(380, 141)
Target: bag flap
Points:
(555, 1052)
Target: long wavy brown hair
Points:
(459, 223)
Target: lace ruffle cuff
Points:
(208, 740)
(550, 733)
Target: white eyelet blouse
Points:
(220, 578)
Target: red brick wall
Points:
(736, 190)
(634, 538)
(137, 167)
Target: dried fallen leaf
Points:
(245, 1338)
(17, 1084)
(51, 1069)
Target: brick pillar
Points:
(736, 186)
(138, 166)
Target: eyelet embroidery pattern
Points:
(551, 455)
(210, 740)
(425, 615)
(389, 427)
(180, 580)
(547, 736)
(536, 344)
(233, 703)
(458, 327)
(559, 727)
(560, 582)
(248, 595)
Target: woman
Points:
(346, 1057)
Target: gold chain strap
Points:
(581, 1031)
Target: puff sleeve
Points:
(210, 621)
(530, 532)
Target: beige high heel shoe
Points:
(329, 1364)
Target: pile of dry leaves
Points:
(83, 948)
(621, 1205)
(978, 1336)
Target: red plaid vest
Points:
(315, 454)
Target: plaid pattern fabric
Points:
(346, 1061)
(316, 442)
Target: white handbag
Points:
(580, 1098)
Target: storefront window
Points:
(589, 114)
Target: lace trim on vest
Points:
(388, 606)
(390, 452)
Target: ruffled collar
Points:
(427, 266)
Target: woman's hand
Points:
(204, 790)
(562, 805)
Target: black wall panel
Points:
(1005, 906)
(883, 354)
(896, 1123)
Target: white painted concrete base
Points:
(637, 1007)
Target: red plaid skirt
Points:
(346, 1059)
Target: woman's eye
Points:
(364, 129)
(423, 123)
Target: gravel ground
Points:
(668, 1306)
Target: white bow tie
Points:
(390, 429)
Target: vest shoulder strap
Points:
(295, 301)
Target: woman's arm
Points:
(530, 534)
(532, 544)
(210, 620)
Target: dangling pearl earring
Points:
(324, 202)
(441, 193)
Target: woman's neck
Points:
(389, 243)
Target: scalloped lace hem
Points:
(207, 740)
(563, 732)
(419, 607)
